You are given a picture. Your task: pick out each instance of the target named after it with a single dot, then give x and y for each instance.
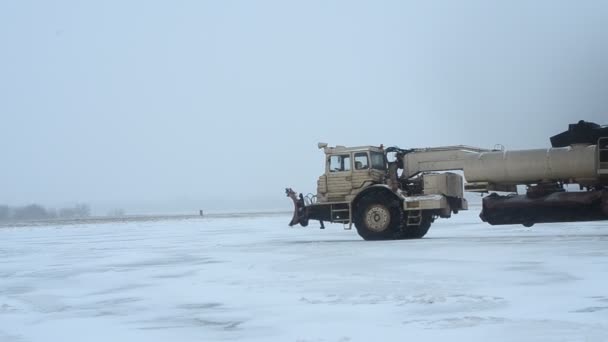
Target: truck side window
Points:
(361, 161)
(378, 161)
(339, 163)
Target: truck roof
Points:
(345, 149)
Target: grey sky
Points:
(177, 105)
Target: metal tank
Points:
(577, 156)
(573, 164)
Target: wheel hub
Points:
(377, 218)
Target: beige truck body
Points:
(361, 185)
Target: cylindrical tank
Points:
(575, 164)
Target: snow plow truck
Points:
(393, 193)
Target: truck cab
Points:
(348, 171)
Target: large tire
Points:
(417, 232)
(378, 217)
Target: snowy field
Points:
(255, 279)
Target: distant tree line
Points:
(38, 212)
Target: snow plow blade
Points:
(299, 210)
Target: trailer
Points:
(393, 193)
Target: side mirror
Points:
(321, 145)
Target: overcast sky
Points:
(172, 106)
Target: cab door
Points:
(339, 177)
(365, 171)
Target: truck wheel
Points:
(417, 232)
(377, 217)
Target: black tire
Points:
(377, 216)
(417, 232)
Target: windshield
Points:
(339, 163)
(378, 161)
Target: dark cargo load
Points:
(582, 132)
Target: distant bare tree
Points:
(51, 213)
(83, 210)
(116, 213)
(78, 211)
(66, 213)
(5, 212)
(30, 212)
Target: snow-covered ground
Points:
(255, 279)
